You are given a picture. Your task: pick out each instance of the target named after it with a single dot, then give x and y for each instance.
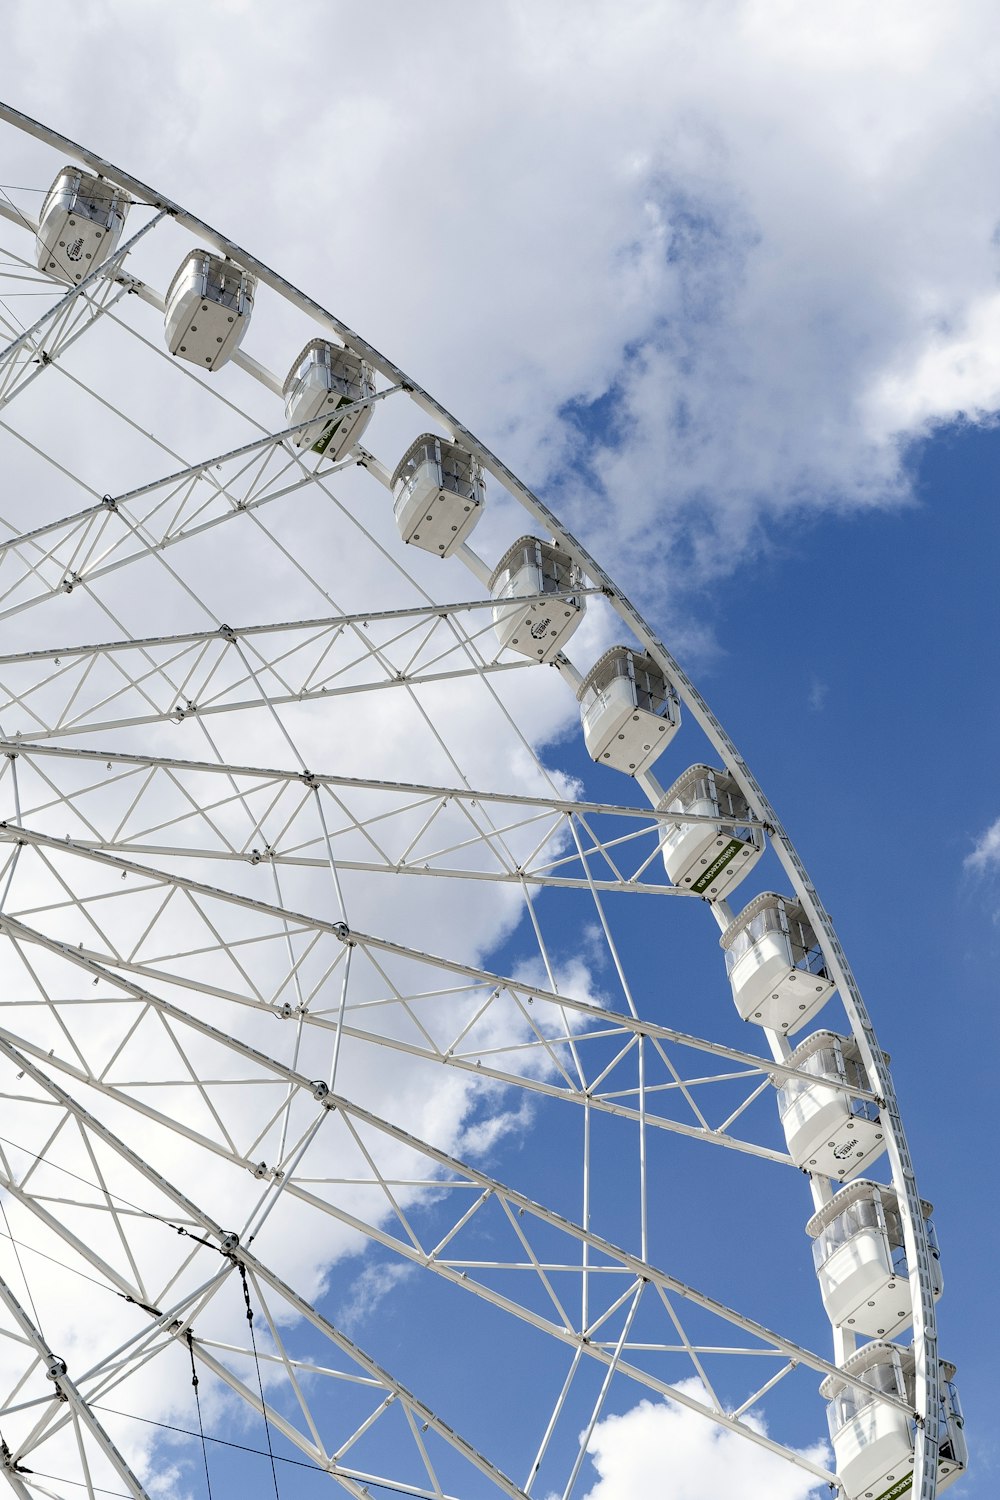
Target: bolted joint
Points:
(8, 1461)
(56, 1368)
(109, 502)
(230, 1242)
(341, 930)
(321, 1092)
(228, 634)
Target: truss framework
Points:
(195, 992)
(392, 828)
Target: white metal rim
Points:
(761, 809)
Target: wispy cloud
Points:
(818, 691)
(479, 1138)
(369, 1289)
(985, 854)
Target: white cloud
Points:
(479, 1138)
(633, 1453)
(756, 235)
(986, 851)
(818, 691)
(368, 1289)
(699, 270)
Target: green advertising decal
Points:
(901, 1487)
(720, 862)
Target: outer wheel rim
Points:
(918, 1250)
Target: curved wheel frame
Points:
(260, 682)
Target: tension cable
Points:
(260, 1383)
(197, 1402)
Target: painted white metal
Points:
(228, 1244)
(118, 531)
(208, 673)
(209, 303)
(494, 984)
(614, 860)
(80, 224)
(861, 1261)
(325, 379)
(538, 603)
(659, 816)
(632, 1266)
(926, 1372)
(438, 495)
(873, 1441)
(53, 1368)
(709, 857)
(828, 1131)
(629, 711)
(37, 348)
(776, 967)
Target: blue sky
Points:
(872, 640)
(721, 281)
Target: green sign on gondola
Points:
(321, 444)
(721, 860)
(901, 1487)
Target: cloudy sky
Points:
(720, 280)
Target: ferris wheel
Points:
(421, 1043)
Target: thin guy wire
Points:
(260, 1383)
(197, 1402)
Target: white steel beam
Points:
(489, 1188)
(55, 1370)
(98, 540)
(488, 979)
(228, 1246)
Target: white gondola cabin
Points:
(828, 1129)
(629, 710)
(438, 494)
(209, 304)
(323, 380)
(80, 224)
(873, 1441)
(861, 1260)
(709, 858)
(536, 609)
(776, 968)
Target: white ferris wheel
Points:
(344, 994)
